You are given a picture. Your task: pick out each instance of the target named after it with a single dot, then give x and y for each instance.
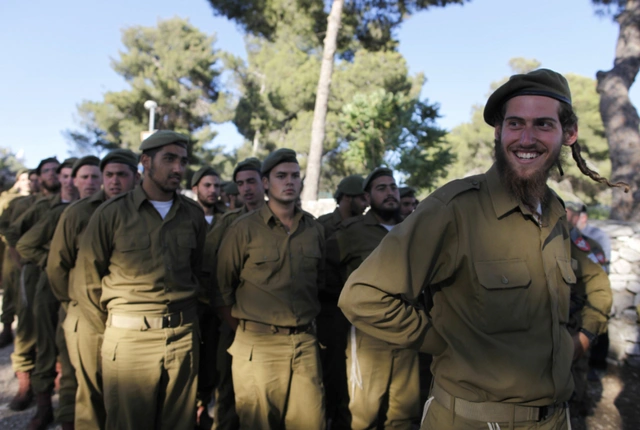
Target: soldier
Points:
(408, 201)
(270, 267)
(27, 212)
(351, 202)
(33, 247)
(205, 184)
(235, 201)
(20, 189)
(82, 339)
(249, 183)
(480, 276)
(140, 257)
(383, 379)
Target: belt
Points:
(146, 322)
(258, 327)
(492, 411)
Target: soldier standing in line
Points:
(270, 267)
(141, 257)
(205, 184)
(491, 254)
(384, 383)
(350, 200)
(33, 247)
(408, 201)
(249, 183)
(27, 212)
(10, 273)
(232, 192)
(82, 335)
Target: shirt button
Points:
(505, 280)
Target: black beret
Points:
(45, 161)
(379, 171)
(282, 155)
(204, 171)
(250, 163)
(162, 138)
(120, 156)
(350, 186)
(541, 82)
(87, 160)
(68, 163)
(230, 188)
(407, 192)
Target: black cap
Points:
(68, 163)
(541, 82)
(120, 156)
(45, 161)
(378, 171)
(88, 160)
(201, 173)
(407, 192)
(250, 163)
(162, 138)
(282, 155)
(230, 188)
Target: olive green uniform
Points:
(330, 222)
(33, 246)
(497, 285)
(225, 416)
(31, 210)
(383, 379)
(81, 338)
(271, 278)
(141, 275)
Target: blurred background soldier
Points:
(83, 338)
(408, 201)
(141, 255)
(351, 202)
(231, 190)
(28, 212)
(384, 384)
(270, 267)
(33, 247)
(205, 184)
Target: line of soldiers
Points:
(156, 303)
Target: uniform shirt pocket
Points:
(132, 253)
(262, 263)
(503, 294)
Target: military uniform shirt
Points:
(269, 275)
(28, 214)
(136, 262)
(499, 283)
(330, 222)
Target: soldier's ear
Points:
(265, 183)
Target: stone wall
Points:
(624, 330)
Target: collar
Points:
(139, 196)
(98, 197)
(370, 218)
(336, 217)
(267, 215)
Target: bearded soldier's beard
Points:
(532, 190)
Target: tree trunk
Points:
(620, 117)
(314, 161)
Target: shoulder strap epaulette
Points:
(449, 191)
(351, 221)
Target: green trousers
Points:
(277, 381)
(10, 288)
(68, 384)
(224, 410)
(83, 344)
(437, 417)
(23, 358)
(150, 377)
(384, 383)
(45, 309)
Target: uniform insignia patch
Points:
(601, 258)
(582, 244)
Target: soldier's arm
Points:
(383, 297)
(597, 287)
(33, 245)
(20, 225)
(62, 257)
(230, 260)
(211, 246)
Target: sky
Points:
(54, 55)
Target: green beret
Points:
(88, 160)
(350, 186)
(378, 171)
(282, 155)
(204, 171)
(541, 82)
(45, 161)
(575, 206)
(162, 138)
(407, 192)
(21, 171)
(231, 189)
(68, 163)
(250, 163)
(120, 156)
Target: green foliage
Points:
(9, 166)
(174, 64)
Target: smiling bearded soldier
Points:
(480, 275)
